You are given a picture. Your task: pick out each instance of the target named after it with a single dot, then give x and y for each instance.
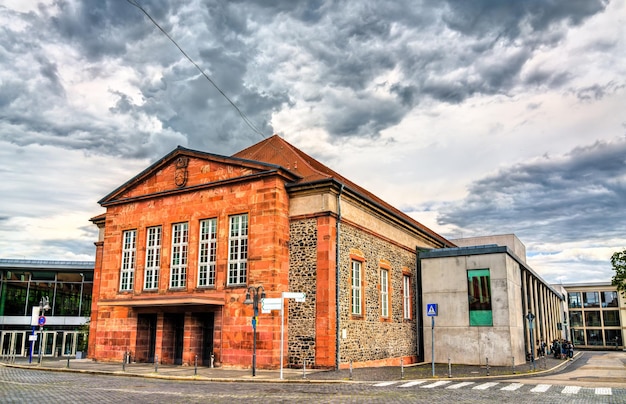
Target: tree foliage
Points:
(618, 261)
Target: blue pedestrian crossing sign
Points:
(431, 309)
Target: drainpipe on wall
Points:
(419, 307)
(337, 278)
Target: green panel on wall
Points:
(481, 317)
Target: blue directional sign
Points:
(431, 309)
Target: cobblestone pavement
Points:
(21, 385)
(86, 381)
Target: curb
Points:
(153, 375)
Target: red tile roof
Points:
(276, 150)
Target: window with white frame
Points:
(384, 293)
(357, 290)
(238, 250)
(178, 268)
(129, 255)
(207, 252)
(153, 258)
(406, 296)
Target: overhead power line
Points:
(241, 113)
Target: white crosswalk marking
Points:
(436, 384)
(383, 384)
(485, 386)
(512, 387)
(459, 385)
(571, 390)
(413, 383)
(540, 388)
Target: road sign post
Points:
(432, 311)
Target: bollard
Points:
(449, 368)
(195, 367)
(124, 363)
(513, 364)
(68, 361)
(156, 363)
(401, 368)
(487, 362)
(212, 360)
(350, 370)
(304, 369)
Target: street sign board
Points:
(42, 320)
(299, 296)
(34, 319)
(270, 303)
(431, 309)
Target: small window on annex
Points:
(578, 337)
(573, 300)
(576, 318)
(592, 319)
(591, 299)
(594, 337)
(611, 318)
(609, 299)
(613, 338)
(479, 291)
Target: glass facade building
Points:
(596, 314)
(25, 287)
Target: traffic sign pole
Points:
(432, 312)
(433, 342)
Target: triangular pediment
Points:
(185, 169)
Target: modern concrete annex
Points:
(183, 242)
(485, 290)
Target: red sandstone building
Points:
(181, 243)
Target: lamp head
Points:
(248, 300)
(45, 303)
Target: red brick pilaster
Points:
(326, 324)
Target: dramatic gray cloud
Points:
(473, 116)
(580, 195)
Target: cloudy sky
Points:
(475, 117)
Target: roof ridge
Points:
(304, 157)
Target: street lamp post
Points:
(253, 295)
(43, 307)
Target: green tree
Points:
(618, 261)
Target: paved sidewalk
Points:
(412, 372)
